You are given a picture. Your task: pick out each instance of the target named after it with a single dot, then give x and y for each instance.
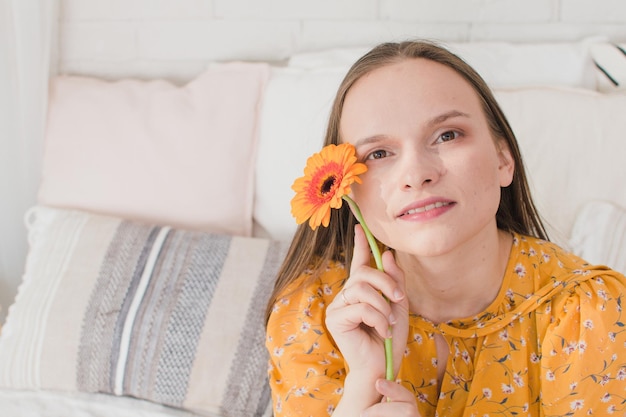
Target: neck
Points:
(459, 284)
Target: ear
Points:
(507, 163)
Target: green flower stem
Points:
(379, 265)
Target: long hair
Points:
(516, 212)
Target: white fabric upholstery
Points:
(599, 234)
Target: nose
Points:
(419, 169)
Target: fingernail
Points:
(392, 319)
(398, 294)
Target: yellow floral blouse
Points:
(552, 343)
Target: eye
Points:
(448, 136)
(377, 154)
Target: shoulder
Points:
(548, 263)
(582, 339)
(306, 369)
(306, 298)
(574, 292)
(566, 282)
(321, 284)
(539, 252)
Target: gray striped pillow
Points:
(170, 316)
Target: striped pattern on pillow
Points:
(170, 316)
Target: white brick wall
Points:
(474, 11)
(176, 38)
(604, 11)
(297, 9)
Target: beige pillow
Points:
(129, 309)
(150, 150)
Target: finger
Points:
(396, 291)
(396, 401)
(354, 316)
(367, 291)
(361, 254)
(394, 391)
(357, 315)
(361, 258)
(399, 309)
(362, 295)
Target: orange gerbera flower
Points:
(325, 184)
(327, 179)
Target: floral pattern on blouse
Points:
(552, 343)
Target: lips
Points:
(424, 207)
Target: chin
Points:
(424, 246)
(421, 240)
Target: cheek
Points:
(484, 168)
(489, 195)
(369, 194)
(370, 197)
(481, 180)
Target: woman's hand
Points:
(359, 318)
(397, 401)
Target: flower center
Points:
(327, 185)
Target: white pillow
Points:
(295, 113)
(501, 64)
(154, 151)
(610, 61)
(599, 234)
(573, 149)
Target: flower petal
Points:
(328, 175)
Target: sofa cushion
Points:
(610, 61)
(130, 309)
(294, 116)
(154, 151)
(599, 234)
(570, 138)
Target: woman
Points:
(486, 316)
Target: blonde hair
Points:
(516, 212)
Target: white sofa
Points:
(163, 216)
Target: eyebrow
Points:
(432, 122)
(443, 117)
(368, 140)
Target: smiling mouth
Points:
(426, 208)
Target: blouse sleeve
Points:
(584, 351)
(306, 370)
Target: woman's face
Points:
(435, 172)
